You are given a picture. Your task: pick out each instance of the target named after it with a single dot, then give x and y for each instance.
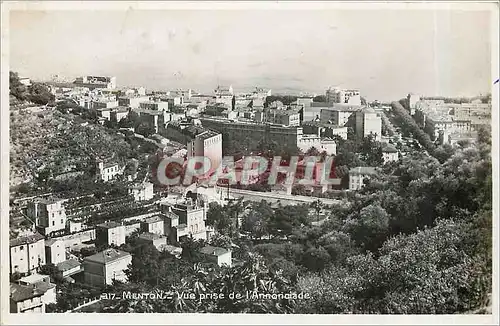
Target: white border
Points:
(226, 319)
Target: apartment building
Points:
(154, 224)
(55, 251)
(142, 191)
(412, 102)
(159, 241)
(105, 266)
(27, 253)
(327, 145)
(49, 215)
(324, 130)
(217, 255)
(346, 96)
(390, 153)
(118, 114)
(107, 171)
(104, 104)
(208, 144)
(93, 82)
(154, 105)
(338, 114)
(31, 294)
(358, 175)
(132, 101)
(368, 122)
(185, 219)
(287, 118)
(110, 233)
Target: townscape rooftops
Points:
(48, 201)
(19, 293)
(214, 251)
(50, 242)
(68, 265)
(107, 256)
(150, 236)
(33, 278)
(322, 124)
(26, 240)
(362, 170)
(207, 134)
(154, 219)
(109, 225)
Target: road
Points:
(282, 198)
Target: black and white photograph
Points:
(274, 158)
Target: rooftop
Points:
(109, 225)
(33, 278)
(26, 240)
(363, 170)
(48, 201)
(150, 236)
(68, 265)
(50, 242)
(19, 293)
(213, 251)
(153, 219)
(207, 134)
(107, 256)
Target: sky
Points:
(383, 53)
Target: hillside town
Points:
(92, 228)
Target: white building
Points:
(368, 122)
(220, 256)
(55, 251)
(154, 224)
(107, 171)
(93, 82)
(42, 283)
(110, 233)
(26, 297)
(118, 114)
(143, 191)
(412, 101)
(104, 267)
(132, 101)
(104, 104)
(49, 215)
(154, 105)
(346, 96)
(305, 142)
(207, 144)
(390, 154)
(337, 115)
(184, 220)
(358, 175)
(25, 81)
(27, 253)
(159, 241)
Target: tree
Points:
(40, 94)
(369, 228)
(16, 88)
(257, 220)
(317, 205)
(316, 259)
(145, 129)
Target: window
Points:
(21, 248)
(62, 222)
(53, 223)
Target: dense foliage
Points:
(36, 92)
